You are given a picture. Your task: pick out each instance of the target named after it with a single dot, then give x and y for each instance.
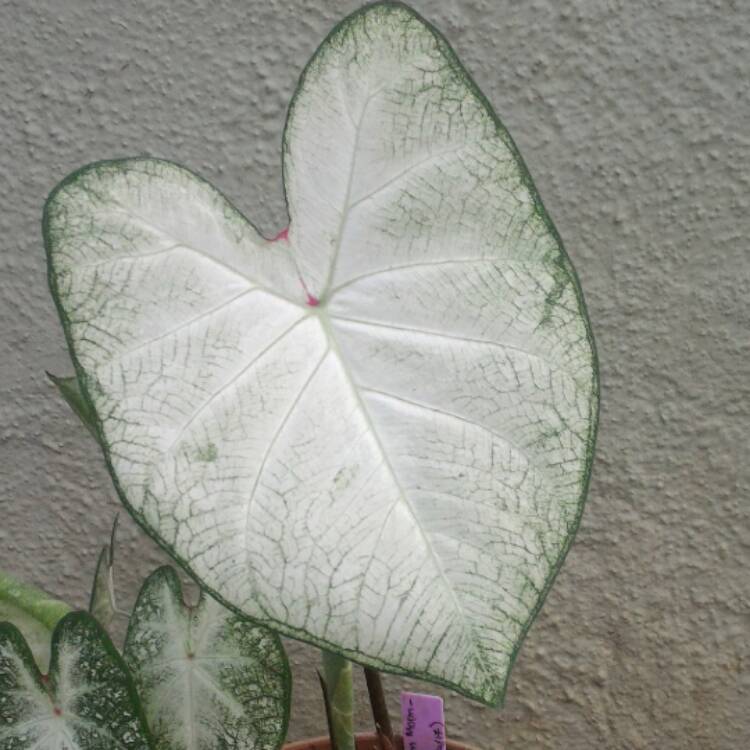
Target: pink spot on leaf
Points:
(282, 235)
(312, 300)
(57, 711)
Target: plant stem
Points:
(329, 719)
(337, 673)
(379, 706)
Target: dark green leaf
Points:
(88, 701)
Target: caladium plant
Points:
(209, 678)
(86, 702)
(190, 678)
(373, 432)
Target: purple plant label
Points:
(423, 722)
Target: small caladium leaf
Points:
(33, 611)
(87, 702)
(102, 603)
(71, 392)
(209, 679)
(374, 433)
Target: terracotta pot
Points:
(364, 742)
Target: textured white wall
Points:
(633, 118)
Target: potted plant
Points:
(372, 433)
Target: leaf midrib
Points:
(345, 211)
(480, 655)
(461, 339)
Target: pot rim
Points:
(323, 743)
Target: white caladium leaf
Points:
(33, 611)
(209, 679)
(87, 702)
(374, 433)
